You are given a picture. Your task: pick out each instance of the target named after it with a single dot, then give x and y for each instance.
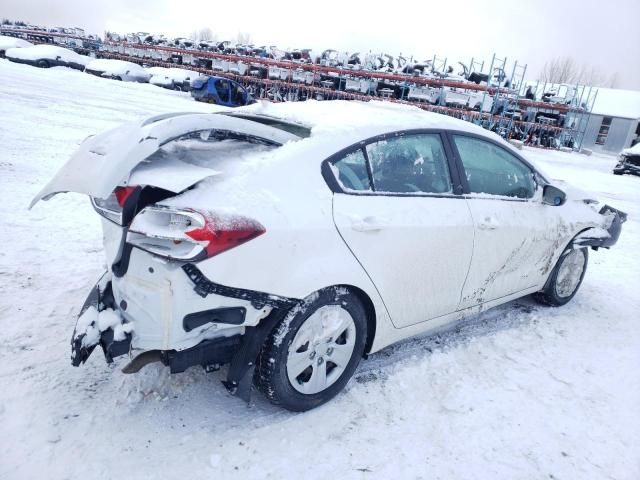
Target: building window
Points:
(604, 130)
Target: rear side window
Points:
(492, 170)
(409, 164)
(351, 172)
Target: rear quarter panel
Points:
(301, 251)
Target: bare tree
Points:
(244, 38)
(559, 70)
(590, 75)
(613, 81)
(567, 70)
(203, 34)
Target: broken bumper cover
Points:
(87, 334)
(625, 166)
(616, 219)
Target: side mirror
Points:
(553, 196)
(58, 57)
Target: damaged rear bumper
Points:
(237, 343)
(114, 339)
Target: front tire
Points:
(312, 354)
(566, 277)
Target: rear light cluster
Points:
(189, 235)
(175, 233)
(113, 206)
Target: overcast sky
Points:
(603, 34)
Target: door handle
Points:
(489, 223)
(367, 224)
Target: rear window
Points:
(218, 150)
(351, 172)
(293, 128)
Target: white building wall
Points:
(621, 133)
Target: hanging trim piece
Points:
(204, 286)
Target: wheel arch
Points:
(560, 251)
(370, 311)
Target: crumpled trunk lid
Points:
(106, 160)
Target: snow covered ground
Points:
(520, 392)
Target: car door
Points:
(396, 211)
(515, 233)
(222, 91)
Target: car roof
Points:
(361, 119)
(298, 129)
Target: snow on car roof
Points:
(12, 42)
(175, 74)
(112, 66)
(277, 176)
(38, 52)
(360, 119)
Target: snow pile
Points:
(111, 67)
(11, 42)
(47, 52)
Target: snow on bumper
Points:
(99, 323)
(163, 306)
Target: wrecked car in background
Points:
(291, 240)
(11, 42)
(220, 91)
(628, 161)
(46, 56)
(172, 78)
(118, 70)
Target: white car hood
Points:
(107, 160)
(573, 192)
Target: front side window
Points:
(409, 164)
(492, 170)
(222, 87)
(351, 172)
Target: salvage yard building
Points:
(614, 121)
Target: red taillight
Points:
(225, 232)
(190, 235)
(122, 193)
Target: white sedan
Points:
(118, 70)
(291, 240)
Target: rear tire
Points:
(566, 278)
(312, 354)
